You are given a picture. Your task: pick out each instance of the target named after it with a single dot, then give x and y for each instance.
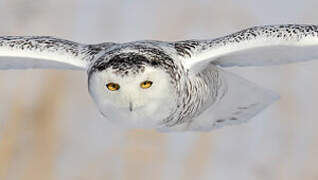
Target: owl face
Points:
(137, 97)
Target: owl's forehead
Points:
(148, 73)
(132, 60)
(129, 61)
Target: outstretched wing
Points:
(256, 46)
(22, 52)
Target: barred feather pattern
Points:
(196, 94)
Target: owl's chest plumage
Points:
(197, 93)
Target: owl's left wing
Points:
(242, 100)
(23, 52)
(256, 46)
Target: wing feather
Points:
(21, 52)
(256, 46)
(242, 101)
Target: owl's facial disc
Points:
(111, 86)
(135, 97)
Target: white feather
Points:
(18, 59)
(242, 100)
(21, 52)
(257, 46)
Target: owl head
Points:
(134, 88)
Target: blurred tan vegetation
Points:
(50, 128)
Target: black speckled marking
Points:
(133, 58)
(93, 49)
(41, 43)
(197, 94)
(288, 32)
(122, 63)
(184, 48)
(54, 45)
(284, 32)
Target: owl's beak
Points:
(130, 106)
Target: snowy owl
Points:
(171, 86)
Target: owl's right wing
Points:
(24, 52)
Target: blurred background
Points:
(51, 130)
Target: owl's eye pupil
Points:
(112, 86)
(146, 84)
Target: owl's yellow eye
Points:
(112, 86)
(146, 84)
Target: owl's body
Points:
(188, 100)
(171, 86)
